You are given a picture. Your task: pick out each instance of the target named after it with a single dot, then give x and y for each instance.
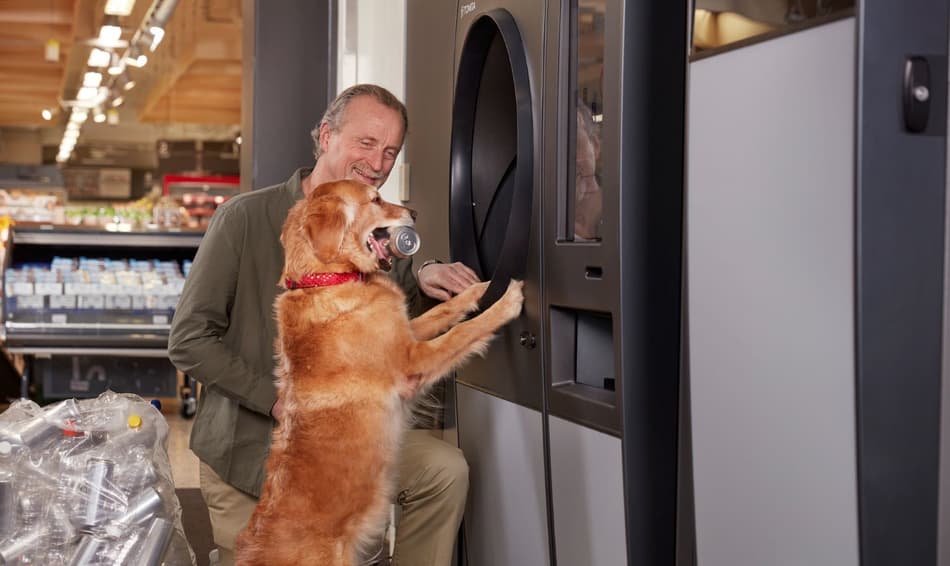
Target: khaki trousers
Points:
(431, 492)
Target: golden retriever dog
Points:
(350, 363)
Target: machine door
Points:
(493, 222)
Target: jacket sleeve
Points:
(202, 319)
(402, 273)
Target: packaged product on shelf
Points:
(91, 284)
(88, 482)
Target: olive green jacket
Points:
(223, 331)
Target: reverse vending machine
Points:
(569, 422)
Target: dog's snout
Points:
(413, 214)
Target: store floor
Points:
(185, 472)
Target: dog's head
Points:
(340, 226)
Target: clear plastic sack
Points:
(88, 482)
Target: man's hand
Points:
(443, 280)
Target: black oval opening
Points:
(492, 154)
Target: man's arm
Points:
(202, 318)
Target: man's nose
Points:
(376, 161)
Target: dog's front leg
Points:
(431, 359)
(445, 315)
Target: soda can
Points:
(404, 241)
(101, 501)
(14, 548)
(8, 507)
(87, 551)
(125, 547)
(43, 427)
(155, 543)
(146, 505)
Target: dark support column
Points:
(289, 78)
(901, 227)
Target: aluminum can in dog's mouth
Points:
(403, 241)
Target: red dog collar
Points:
(323, 279)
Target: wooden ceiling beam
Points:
(36, 11)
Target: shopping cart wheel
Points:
(188, 407)
(189, 404)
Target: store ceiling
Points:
(190, 87)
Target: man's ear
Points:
(324, 137)
(326, 226)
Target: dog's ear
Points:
(326, 226)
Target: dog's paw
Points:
(510, 303)
(470, 297)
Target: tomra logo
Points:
(466, 9)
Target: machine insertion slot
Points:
(593, 272)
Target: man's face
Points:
(366, 145)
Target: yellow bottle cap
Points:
(134, 421)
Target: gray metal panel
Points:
(770, 224)
(288, 53)
(506, 518)
(587, 496)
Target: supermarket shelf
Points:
(41, 352)
(50, 235)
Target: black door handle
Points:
(916, 94)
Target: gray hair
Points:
(335, 113)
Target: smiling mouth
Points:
(372, 177)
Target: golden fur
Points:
(349, 363)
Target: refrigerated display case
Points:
(90, 309)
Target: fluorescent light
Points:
(157, 35)
(78, 116)
(70, 135)
(92, 79)
(99, 117)
(99, 58)
(119, 7)
(47, 114)
(129, 85)
(117, 101)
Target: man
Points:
(223, 335)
